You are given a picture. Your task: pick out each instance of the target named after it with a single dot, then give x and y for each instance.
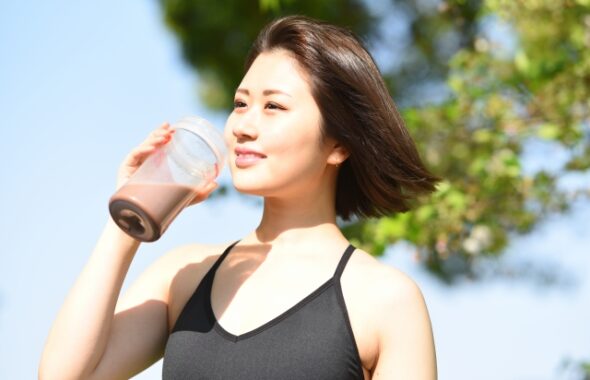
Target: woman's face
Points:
(273, 134)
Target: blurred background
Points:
(496, 94)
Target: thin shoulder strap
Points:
(220, 259)
(343, 260)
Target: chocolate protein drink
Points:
(168, 179)
(145, 210)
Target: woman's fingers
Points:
(204, 193)
(138, 155)
(160, 135)
(154, 140)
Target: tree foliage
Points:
(216, 35)
(501, 101)
(479, 82)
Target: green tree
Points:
(216, 35)
(488, 99)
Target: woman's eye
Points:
(239, 104)
(273, 106)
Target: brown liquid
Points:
(145, 210)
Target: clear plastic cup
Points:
(168, 179)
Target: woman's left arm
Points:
(406, 343)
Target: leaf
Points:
(270, 5)
(548, 131)
(522, 62)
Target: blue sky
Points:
(82, 83)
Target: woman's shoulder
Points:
(381, 286)
(383, 303)
(175, 264)
(188, 261)
(373, 272)
(182, 269)
(191, 254)
(167, 266)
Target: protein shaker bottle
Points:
(168, 179)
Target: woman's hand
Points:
(138, 155)
(202, 194)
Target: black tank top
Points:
(311, 340)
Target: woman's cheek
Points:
(227, 131)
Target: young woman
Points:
(316, 134)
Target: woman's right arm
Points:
(81, 332)
(94, 336)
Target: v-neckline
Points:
(293, 309)
(333, 280)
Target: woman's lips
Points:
(247, 157)
(244, 161)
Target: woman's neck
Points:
(297, 219)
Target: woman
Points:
(315, 133)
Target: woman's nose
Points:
(246, 127)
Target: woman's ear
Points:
(338, 155)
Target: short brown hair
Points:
(384, 172)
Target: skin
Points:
(98, 335)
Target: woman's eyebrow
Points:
(245, 91)
(274, 91)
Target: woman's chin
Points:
(249, 189)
